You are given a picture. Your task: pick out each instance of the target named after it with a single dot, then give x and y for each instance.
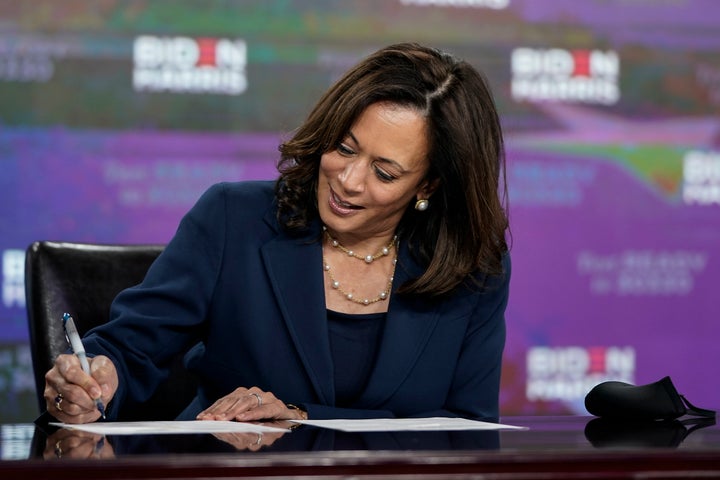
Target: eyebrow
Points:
(382, 159)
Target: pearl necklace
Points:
(364, 301)
(367, 258)
(383, 295)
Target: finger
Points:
(231, 408)
(219, 409)
(62, 406)
(239, 401)
(103, 370)
(269, 408)
(68, 378)
(71, 413)
(76, 399)
(256, 404)
(54, 378)
(73, 373)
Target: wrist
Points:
(301, 414)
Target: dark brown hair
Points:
(463, 231)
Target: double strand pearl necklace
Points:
(383, 295)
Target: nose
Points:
(352, 177)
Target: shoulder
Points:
(497, 284)
(238, 205)
(482, 289)
(253, 192)
(232, 199)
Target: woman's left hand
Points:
(249, 404)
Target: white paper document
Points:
(347, 425)
(146, 428)
(400, 424)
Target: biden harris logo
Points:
(189, 65)
(701, 178)
(568, 373)
(559, 75)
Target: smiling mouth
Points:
(340, 205)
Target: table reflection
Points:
(74, 444)
(615, 433)
(557, 434)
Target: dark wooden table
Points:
(553, 447)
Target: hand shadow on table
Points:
(616, 433)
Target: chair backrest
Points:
(83, 279)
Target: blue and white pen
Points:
(79, 350)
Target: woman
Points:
(370, 280)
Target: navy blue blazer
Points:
(248, 303)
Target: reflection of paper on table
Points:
(190, 426)
(400, 424)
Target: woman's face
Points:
(367, 182)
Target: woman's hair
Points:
(463, 231)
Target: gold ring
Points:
(259, 398)
(58, 401)
(58, 450)
(259, 439)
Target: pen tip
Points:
(65, 317)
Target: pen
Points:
(77, 347)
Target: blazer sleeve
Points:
(162, 317)
(475, 389)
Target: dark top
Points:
(354, 342)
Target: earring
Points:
(422, 205)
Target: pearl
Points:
(327, 267)
(369, 259)
(383, 295)
(336, 284)
(385, 251)
(366, 302)
(349, 296)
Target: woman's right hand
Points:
(70, 393)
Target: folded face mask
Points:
(654, 401)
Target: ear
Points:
(427, 188)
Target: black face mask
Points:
(654, 401)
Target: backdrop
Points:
(116, 115)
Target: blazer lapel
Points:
(408, 327)
(291, 263)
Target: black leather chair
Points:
(83, 279)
